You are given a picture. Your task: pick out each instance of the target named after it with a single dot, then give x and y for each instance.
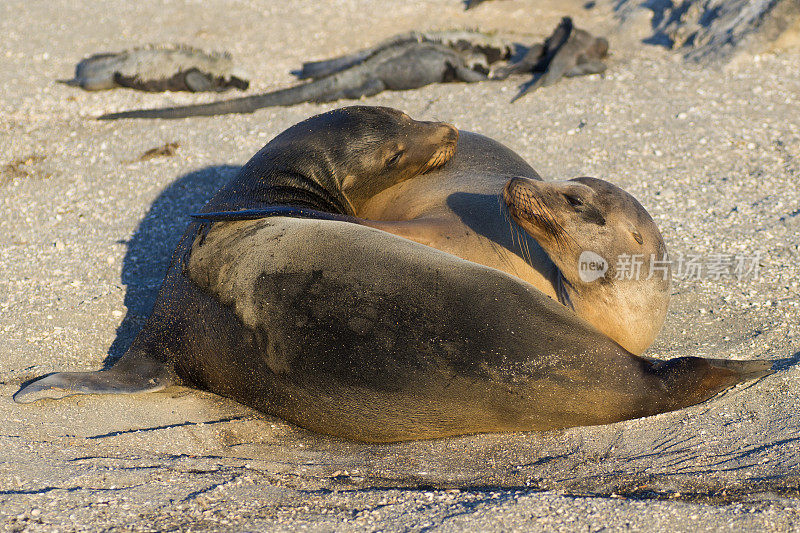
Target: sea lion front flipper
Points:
(422, 230)
(272, 211)
(145, 375)
(428, 231)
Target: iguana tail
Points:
(323, 90)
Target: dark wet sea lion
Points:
(335, 161)
(358, 333)
(330, 162)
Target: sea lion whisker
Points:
(545, 219)
(554, 228)
(527, 251)
(513, 229)
(521, 237)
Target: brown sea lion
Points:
(357, 333)
(612, 260)
(331, 162)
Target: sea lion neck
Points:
(313, 182)
(293, 178)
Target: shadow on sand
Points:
(152, 244)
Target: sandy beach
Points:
(87, 228)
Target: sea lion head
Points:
(612, 261)
(354, 152)
(387, 147)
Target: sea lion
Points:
(336, 161)
(587, 219)
(360, 334)
(460, 209)
(331, 162)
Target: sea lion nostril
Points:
(448, 132)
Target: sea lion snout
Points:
(443, 132)
(521, 195)
(450, 133)
(530, 204)
(445, 137)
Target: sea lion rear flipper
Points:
(746, 370)
(148, 375)
(691, 380)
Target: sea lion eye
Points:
(574, 201)
(394, 159)
(637, 236)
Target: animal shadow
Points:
(150, 248)
(509, 236)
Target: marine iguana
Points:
(567, 52)
(407, 66)
(471, 43)
(159, 68)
